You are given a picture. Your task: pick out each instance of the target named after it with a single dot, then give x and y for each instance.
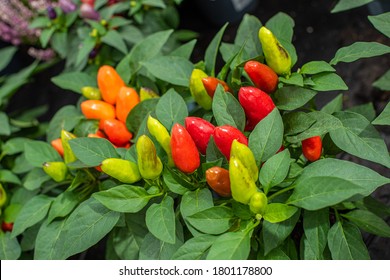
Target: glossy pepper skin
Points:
(3, 196)
(7, 226)
(312, 148)
(149, 164)
(275, 54)
(121, 169)
(258, 203)
(97, 109)
(109, 83)
(218, 179)
(262, 76)
(57, 145)
(224, 136)
(242, 184)
(161, 134)
(256, 104)
(198, 91)
(200, 131)
(57, 170)
(185, 155)
(117, 132)
(126, 101)
(66, 136)
(91, 93)
(211, 83)
(147, 93)
(245, 155)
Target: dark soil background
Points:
(318, 34)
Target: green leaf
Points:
(279, 212)
(175, 70)
(92, 151)
(6, 55)
(267, 137)
(141, 52)
(139, 113)
(31, 213)
(38, 152)
(316, 67)
(295, 79)
(344, 5)
(367, 110)
(115, 40)
(334, 105)
(184, 50)
(381, 22)
(384, 117)
(383, 83)
(155, 3)
(124, 198)
(195, 248)
(275, 170)
(345, 242)
(62, 205)
(247, 38)
(359, 50)
(5, 128)
(59, 42)
(214, 220)
(39, 22)
(8, 176)
(375, 206)
(14, 146)
(160, 220)
(369, 222)
(227, 109)
(153, 248)
(328, 82)
(45, 36)
(173, 185)
(74, 81)
(359, 138)
(86, 226)
(275, 233)
(35, 178)
(9, 247)
(47, 244)
(316, 226)
(65, 118)
(84, 49)
(211, 52)
(171, 109)
(282, 26)
(329, 181)
(292, 97)
(231, 246)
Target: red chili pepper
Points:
(262, 76)
(185, 155)
(117, 132)
(224, 136)
(312, 148)
(218, 179)
(256, 103)
(211, 83)
(200, 131)
(57, 145)
(7, 226)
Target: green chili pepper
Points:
(57, 170)
(198, 90)
(245, 155)
(258, 203)
(161, 134)
(69, 156)
(147, 93)
(242, 184)
(3, 196)
(121, 169)
(149, 164)
(91, 93)
(275, 54)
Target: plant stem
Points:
(281, 192)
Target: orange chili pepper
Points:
(57, 145)
(109, 83)
(117, 132)
(97, 109)
(127, 99)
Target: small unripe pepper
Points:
(184, 152)
(256, 104)
(242, 184)
(312, 148)
(198, 91)
(245, 155)
(126, 101)
(3, 196)
(224, 136)
(218, 179)
(121, 169)
(97, 109)
(57, 170)
(262, 76)
(211, 83)
(117, 132)
(91, 93)
(147, 93)
(69, 156)
(109, 83)
(258, 203)
(200, 131)
(7, 226)
(161, 134)
(149, 164)
(57, 145)
(275, 54)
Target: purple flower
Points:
(51, 13)
(67, 6)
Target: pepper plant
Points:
(244, 167)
